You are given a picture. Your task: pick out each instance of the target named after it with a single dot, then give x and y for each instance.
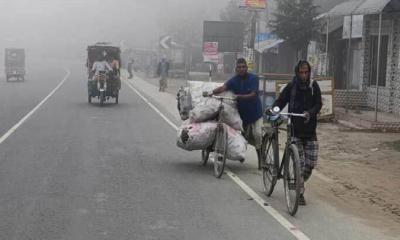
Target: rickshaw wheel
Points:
(116, 98)
(89, 99)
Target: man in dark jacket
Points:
(303, 96)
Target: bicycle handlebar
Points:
(223, 98)
(293, 114)
(289, 114)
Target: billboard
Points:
(229, 35)
(253, 4)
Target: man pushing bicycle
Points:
(303, 96)
(245, 86)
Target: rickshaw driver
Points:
(245, 86)
(100, 66)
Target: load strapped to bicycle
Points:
(211, 124)
(288, 168)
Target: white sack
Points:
(196, 136)
(184, 99)
(231, 116)
(237, 145)
(198, 87)
(204, 112)
(209, 111)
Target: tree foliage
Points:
(294, 22)
(232, 13)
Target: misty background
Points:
(64, 28)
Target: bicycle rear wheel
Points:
(270, 163)
(220, 148)
(291, 178)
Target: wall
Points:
(388, 96)
(352, 98)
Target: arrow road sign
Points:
(165, 42)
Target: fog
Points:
(63, 28)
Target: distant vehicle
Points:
(105, 84)
(14, 63)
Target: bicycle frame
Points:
(221, 106)
(289, 139)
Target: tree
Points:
(294, 22)
(232, 13)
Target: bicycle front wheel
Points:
(291, 178)
(220, 148)
(270, 164)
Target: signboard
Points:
(321, 67)
(260, 37)
(327, 105)
(357, 28)
(229, 35)
(165, 42)
(210, 52)
(253, 4)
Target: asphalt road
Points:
(75, 170)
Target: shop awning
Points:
(344, 9)
(265, 45)
(362, 7)
(372, 7)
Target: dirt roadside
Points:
(365, 169)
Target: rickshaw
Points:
(14, 64)
(105, 84)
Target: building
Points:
(378, 22)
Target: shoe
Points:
(302, 201)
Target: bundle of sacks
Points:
(200, 114)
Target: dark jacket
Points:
(308, 99)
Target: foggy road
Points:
(78, 171)
(75, 170)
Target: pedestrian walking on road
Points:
(130, 67)
(303, 95)
(162, 72)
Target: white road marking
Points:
(16, 126)
(259, 200)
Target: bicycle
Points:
(288, 168)
(220, 145)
